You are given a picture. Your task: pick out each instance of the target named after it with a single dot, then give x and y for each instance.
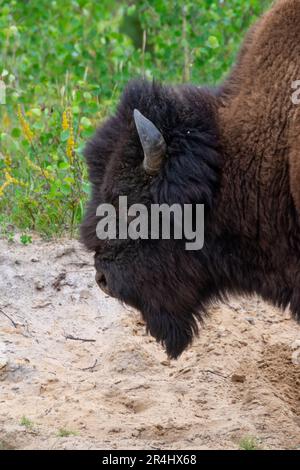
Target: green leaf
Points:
(85, 122)
(213, 42)
(65, 135)
(36, 112)
(16, 132)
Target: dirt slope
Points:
(117, 389)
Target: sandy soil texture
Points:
(77, 370)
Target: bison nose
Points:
(101, 281)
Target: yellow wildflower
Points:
(2, 188)
(25, 126)
(65, 122)
(9, 179)
(70, 147)
(39, 170)
(6, 121)
(8, 161)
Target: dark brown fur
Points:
(235, 149)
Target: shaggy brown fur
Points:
(258, 117)
(235, 149)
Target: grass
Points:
(62, 432)
(26, 422)
(249, 443)
(25, 239)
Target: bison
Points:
(235, 149)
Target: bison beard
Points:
(175, 333)
(235, 150)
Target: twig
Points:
(10, 319)
(91, 367)
(208, 371)
(43, 305)
(81, 264)
(84, 340)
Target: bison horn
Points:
(152, 141)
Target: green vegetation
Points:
(26, 422)
(65, 63)
(66, 433)
(249, 443)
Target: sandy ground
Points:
(78, 372)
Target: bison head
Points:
(161, 146)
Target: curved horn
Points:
(152, 141)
